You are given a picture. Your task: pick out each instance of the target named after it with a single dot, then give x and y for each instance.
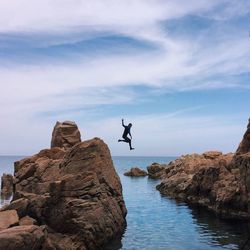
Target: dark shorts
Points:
(126, 139)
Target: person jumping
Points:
(126, 133)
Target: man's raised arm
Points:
(123, 123)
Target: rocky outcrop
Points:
(65, 135)
(76, 193)
(6, 184)
(205, 180)
(219, 182)
(156, 170)
(244, 146)
(136, 172)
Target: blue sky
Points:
(178, 70)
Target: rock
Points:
(75, 192)
(26, 221)
(219, 182)
(205, 180)
(156, 170)
(87, 199)
(65, 135)
(6, 184)
(136, 172)
(244, 146)
(20, 205)
(8, 218)
(212, 154)
(22, 238)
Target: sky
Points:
(178, 70)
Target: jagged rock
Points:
(65, 135)
(207, 181)
(8, 218)
(156, 170)
(20, 205)
(76, 193)
(6, 184)
(218, 182)
(22, 238)
(244, 146)
(136, 172)
(212, 154)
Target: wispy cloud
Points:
(64, 58)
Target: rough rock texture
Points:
(65, 135)
(76, 193)
(26, 220)
(244, 146)
(219, 182)
(156, 170)
(22, 238)
(6, 184)
(8, 218)
(136, 172)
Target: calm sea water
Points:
(155, 222)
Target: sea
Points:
(156, 222)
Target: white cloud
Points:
(54, 86)
(37, 15)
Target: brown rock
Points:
(26, 221)
(74, 192)
(136, 172)
(65, 135)
(212, 154)
(19, 205)
(156, 170)
(8, 218)
(6, 184)
(244, 146)
(22, 238)
(207, 180)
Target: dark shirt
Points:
(126, 131)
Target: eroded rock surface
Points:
(8, 218)
(6, 184)
(219, 182)
(76, 193)
(136, 172)
(65, 135)
(156, 170)
(22, 238)
(244, 146)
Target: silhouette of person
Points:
(126, 133)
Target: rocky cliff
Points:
(73, 195)
(219, 182)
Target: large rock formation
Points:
(65, 135)
(6, 184)
(75, 193)
(219, 182)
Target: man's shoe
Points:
(131, 148)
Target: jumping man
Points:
(125, 134)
